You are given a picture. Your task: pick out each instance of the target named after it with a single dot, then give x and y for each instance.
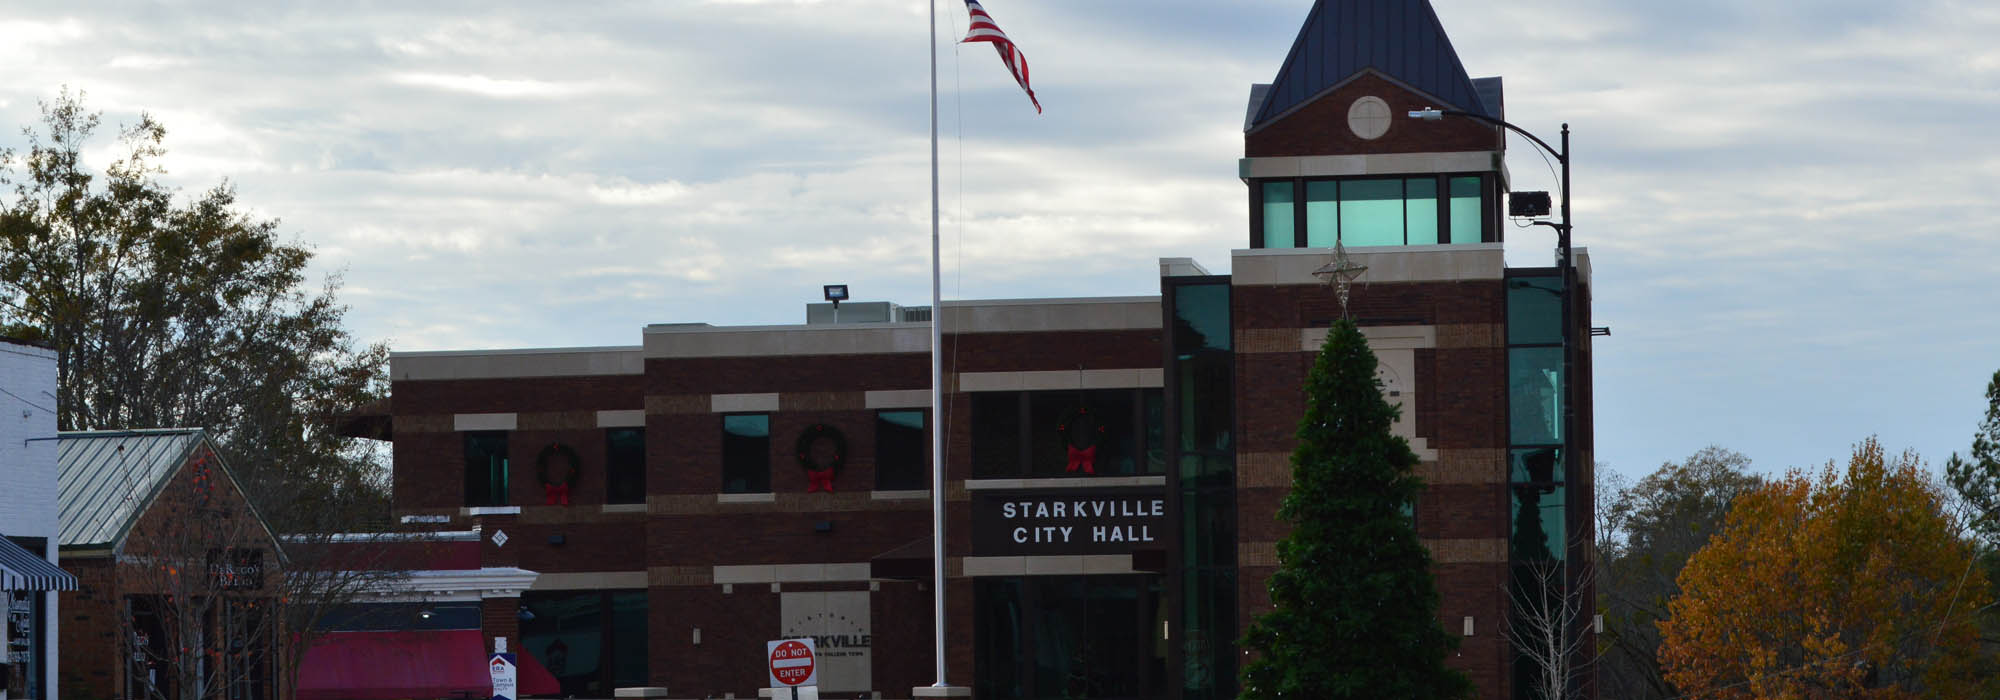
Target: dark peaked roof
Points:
(1401, 39)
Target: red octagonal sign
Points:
(792, 662)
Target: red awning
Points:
(393, 665)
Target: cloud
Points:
(503, 88)
(1787, 204)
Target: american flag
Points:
(985, 29)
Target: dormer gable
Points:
(1399, 39)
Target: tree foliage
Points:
(1647, 533)
(1846, 583)
(1976, 477)
(1356, 608)
(184, 312)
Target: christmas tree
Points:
(1356, 606)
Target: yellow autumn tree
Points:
(1851, 583)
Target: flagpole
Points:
(937, 384)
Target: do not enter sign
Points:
(792, 662)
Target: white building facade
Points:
(28, 522)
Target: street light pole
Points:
(1567, 296)
(1565, 261)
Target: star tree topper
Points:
(1340, 272)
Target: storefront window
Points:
(25, 653)
(593, 642)
(1070, 637)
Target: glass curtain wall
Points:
(1201, 395)
(1536, 460)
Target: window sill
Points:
(471, 511)
(622, 508)
(1065, 482)
(766, 497)
(900, 495)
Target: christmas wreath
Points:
(820, 476)
(1081, 431)
(557, 479)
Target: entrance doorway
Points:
(1070, 637)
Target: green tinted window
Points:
(746, 454)
(628, 639)
(1322, 213)
(1534, 310)
(1539, 465)
(1371, 212)
(625, 465)
(486, 469)
(1535, 395)
(1420, 210)
(1538, 522)
(902, 451)
(1278, 198)
(1466, 218)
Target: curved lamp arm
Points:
(1434, 114)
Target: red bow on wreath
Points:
(1085, 459)
(819, 480)
(555, 494)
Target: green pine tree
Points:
(1356, 605)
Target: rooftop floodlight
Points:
(835, 293)
(1429, 114)
(1528, 205)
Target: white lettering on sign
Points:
(1083, 521)
(1120, 508)
(1125, 533)
(1051, 533)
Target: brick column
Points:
(500, 617)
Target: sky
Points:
(1789, 206)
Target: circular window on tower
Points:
(1368, 117)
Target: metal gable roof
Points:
(1401, 39)
(105, 479)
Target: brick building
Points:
(176, 570)
(1113, 465)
